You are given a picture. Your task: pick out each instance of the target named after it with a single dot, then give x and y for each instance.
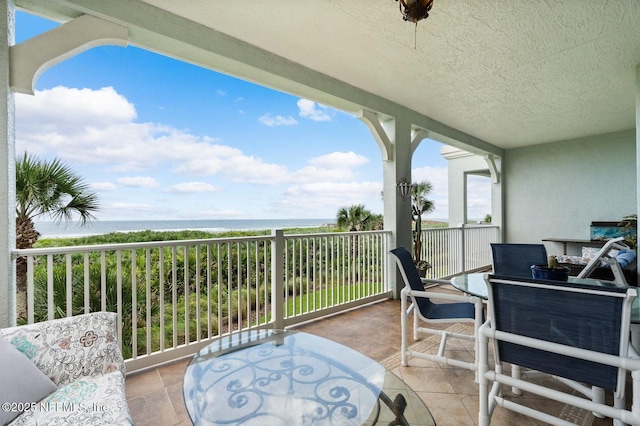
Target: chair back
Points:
(515, 260)
(577, 315)
(411, 277)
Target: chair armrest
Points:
(66, 349)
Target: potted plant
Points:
(550, 271)
(630, 224)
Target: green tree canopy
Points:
(49, 188)
(355, 218)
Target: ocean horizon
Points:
(99, 227)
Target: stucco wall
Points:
(557, 190)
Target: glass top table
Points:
(265, 377)
(475, 285)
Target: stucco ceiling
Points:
(509, 72)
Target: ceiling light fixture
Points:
(415, 10)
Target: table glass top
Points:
(286, 377)
(475, 285)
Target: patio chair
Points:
(605, 255)
(573, 332)
(464, 309)
(515, 260)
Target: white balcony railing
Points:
(173, 297)
(452, 251)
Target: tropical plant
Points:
(630, 224)
(48, 188)
(420, 205)
(355, 218)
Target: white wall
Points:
(557, 190)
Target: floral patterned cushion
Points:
(588, 253)
(68, 349)
(98, 400)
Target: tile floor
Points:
(155, 395)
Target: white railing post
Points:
(277, 279)
(463, 245)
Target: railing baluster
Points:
(197, 279)
(174, 293)
(134, 306)
(119, 293)
(87, 300)
(161, 281)
(209, 325)
(50, 305)
(69, 285)
(103, 280)
(30, 290)
(187, 296)
(148, 300)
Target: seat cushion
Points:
(96, 400)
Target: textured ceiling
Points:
(509, 72)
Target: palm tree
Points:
(420, 205)
(47, 188)
(356, 218)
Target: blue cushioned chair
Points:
(465, 309)
(577, 333)
(515, 260)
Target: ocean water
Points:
(73, 229)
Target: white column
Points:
(397, 211)
(393, 136)
(7, 172)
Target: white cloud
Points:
(138, 182)
(103, 186)
(326, 196)
(72, 109)
(339, 159)
(313, 111)
(106, 136)
(192, 187)
(336, 166)
(270, 120)
(215, 214)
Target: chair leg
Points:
(403, 329)
(416, 325)
(483, 383)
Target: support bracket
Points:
(493, 168)
(29, 59)
(372, 121)
(418, 136)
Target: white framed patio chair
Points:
(606, 255)
(574, 332)
(463, 309)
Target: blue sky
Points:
(160, 139)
